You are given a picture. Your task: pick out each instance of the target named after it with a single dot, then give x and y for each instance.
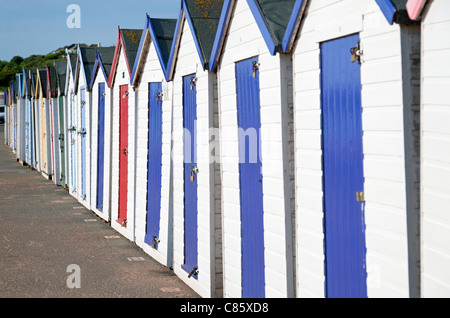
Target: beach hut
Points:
(123, 138)
(196, 186)
(257, 148)
(52, 97)
(72, 124)
(44, 120)
(26, 95)
(36, 125)
(61, 69)
(153, 126)
(355, 66)
(435, 145)
(101, 133)
(83, 71)
(20, 121)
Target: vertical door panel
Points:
(43, 134)
(343, 170)
(190, 185)
(82, 133)
(101, 145)
(62, 145)
(73, 145)
(52, 140)
(251, 192)
(123, 156)
(154, 164)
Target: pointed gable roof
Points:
(161, 33)
(85, 65)
(52, 88)
(128, 40)
(395, 11)
(103, 62)
(203, 17)
(41, 82)
(61, 69)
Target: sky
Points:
(30, 27)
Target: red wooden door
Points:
(123, 155)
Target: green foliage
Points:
(9, 69)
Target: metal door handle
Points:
(125, 152)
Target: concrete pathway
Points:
(50, 245)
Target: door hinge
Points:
(360, 197)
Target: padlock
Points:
(255, 68)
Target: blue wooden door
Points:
(154, 163)
(82, 133)
(73, 143)
(343, 170)
(190, 179)
(251, 192)
(101, 145)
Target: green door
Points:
(62, 143)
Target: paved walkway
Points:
(44, 230)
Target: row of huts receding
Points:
(260, 148)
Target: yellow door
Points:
(44, 137)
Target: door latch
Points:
(356, 53)
(155, 241)
(194, 172)
(256, 66)
(193, 82)
(125, 94)
(125, 152)
(194, 272)
(160, 97)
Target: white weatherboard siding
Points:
(383, 146)
(152, 73)
(122, 77)
(100, 78)
(435, 200)
(244, 41)
(188, 63)
(70, 95)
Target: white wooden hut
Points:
(197, 239)
(101, 133)
(356, 134)
(153, 126)
(52, 97)
(61, 69)
(256, 138)
(435, 145)
(71, 124)
(122, 137)
(35, 106)
(83, 104)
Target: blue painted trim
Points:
(291, 28)
(194, 35)
(139, 52)
(94, 71)
(388, 9)
(220, 35)
(156, 43)
(262, 27)
(171, 63)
